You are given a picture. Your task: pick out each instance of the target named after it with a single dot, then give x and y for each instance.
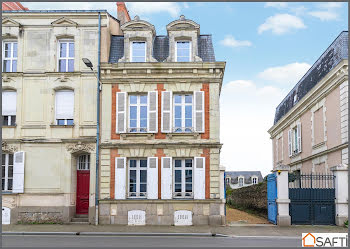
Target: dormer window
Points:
(183, 51)
(240, 181)
(138, 51)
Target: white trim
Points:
(167, 111)
(66, 118)
(138, 106)
(241, 177)
(11, 58)
(183, 105)
(149, 111)
(125, 111)
(183, 169)
(190, 50)
(86, 164)
(6, 164)
(131, 50)
(199, 111)
(66, 58)
(138, 178)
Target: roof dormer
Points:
(138, 41)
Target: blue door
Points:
(271, 198)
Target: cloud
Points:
(327, 11)
(186, 6)
(230, 41)
(281, 24)
(287, 74)
(278, 5)
(146, 8)
(247, 112)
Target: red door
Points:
(83, 184)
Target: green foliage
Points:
(346, 223)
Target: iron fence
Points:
(321, 181)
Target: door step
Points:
(75, 219)
(80, 219)
(81, 216)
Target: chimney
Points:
(122, 13)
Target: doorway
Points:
(83, 184)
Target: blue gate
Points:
(271, 198)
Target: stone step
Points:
(78, 219)
(81, 216)
(78, 223)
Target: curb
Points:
(117, 234)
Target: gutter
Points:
(98, 118)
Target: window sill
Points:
(137, 134)
(8, 193)
(295, 155)
(61, 126)
(183, 134)
(9, 126)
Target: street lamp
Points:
(88, 63)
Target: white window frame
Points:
(10, 117)
(183, 105)
(138, 113)
(190, 50)
(83, 164)
(131, 50)
(65, 120)
(239, 183)
(138, 178)
(68, 41)
(254, 179)
(183, 168)
(6, 177)
(11, 58)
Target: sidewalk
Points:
(237, 230)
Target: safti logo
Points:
(324, 239)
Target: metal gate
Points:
(271, 198)
(312, 199)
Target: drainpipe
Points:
(98, 118)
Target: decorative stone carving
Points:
(5, 78)
(8, 148)
(80, 147)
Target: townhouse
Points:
(49, 100)
(160, 146)
(239, 179)
(310, 131)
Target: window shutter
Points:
(199, 178)
(166, 111)
(152, 112)
(199, 111)
(9, 103)
(120, 178)
(18, 172)
(64, 104)
(167, 178)
(121, 112)
(299, 137)
(290, 147)
(152, 178)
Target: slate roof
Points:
(161, 48)
(333, 55)
(246, 174)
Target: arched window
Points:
(64, 107)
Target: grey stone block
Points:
(104, 220)
(121, 220)
(215, 220)
(214, 209)
(104, 209)
(283, 220)
(200, 220)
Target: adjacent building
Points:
(239, 179)
(49, 112)
(160, 146)
(310, 131)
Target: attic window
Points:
(138, 51)
(183, 51)
(295, 98)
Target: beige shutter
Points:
(299, 137)
(167, 178)
(65, 104)
(121, 112)
(199, 111)
(199, 178)
(120, 178)
(18, 172)
(152, 178)
(152, 119)
(290, 147)
(166, 111)
(9, 99)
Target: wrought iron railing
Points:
(183, 195)
(137, 130)
(183, 129)
(315, 180)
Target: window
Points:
(294, 140)
(255, 180)
(64, 107)
(66, 56)
(137, 177)
(137, 113)
(240, 181)
(183, 113)
(183, 178)
(138, 51)
(7, 172)
(84, 162)
(9, 56)
(9, 108)
(227, 180)
(318, 126)
(183, 51)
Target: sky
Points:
(267, 47)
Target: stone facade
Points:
(48, 192)
(118, 145)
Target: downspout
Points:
(98, 118)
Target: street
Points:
(146, 241)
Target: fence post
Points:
(283, 217)
(341, 193)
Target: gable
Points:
(63, 21)
(10, 22)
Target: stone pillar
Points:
(341, 193)
(283, 217)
